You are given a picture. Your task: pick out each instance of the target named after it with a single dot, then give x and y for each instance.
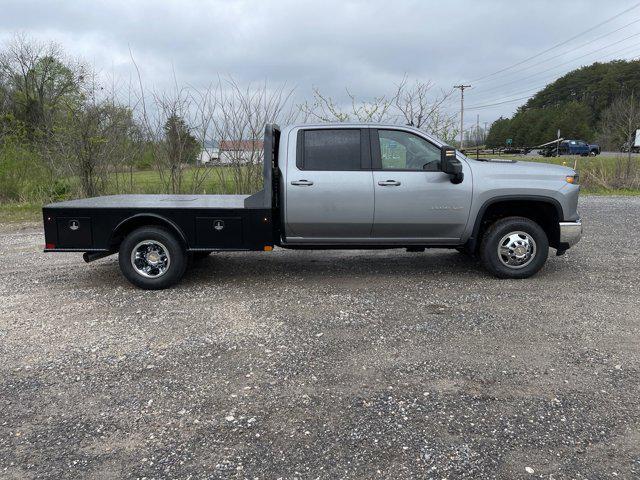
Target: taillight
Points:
(49, 246)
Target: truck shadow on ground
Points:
(316, 265)
(335, 265)
(220, 268)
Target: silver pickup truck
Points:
(338, 186)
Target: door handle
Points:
(302, 183)
(389, 183)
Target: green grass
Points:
(20, 212)
(194, 180)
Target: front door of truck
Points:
(414, 200)
(329, 190)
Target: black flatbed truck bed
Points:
(202, 223)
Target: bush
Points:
(23, 176)
(144, 160)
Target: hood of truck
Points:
(521, 170)
(524, 180)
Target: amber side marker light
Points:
(572, 178)
(268, 248)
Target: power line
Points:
(558, 44)
(537, 90)
(479, 107)
(501, 86)
(579, 47)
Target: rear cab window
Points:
(340, 149)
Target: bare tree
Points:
(414, 104)
(238, 129)
(619, 123)
(424, 110)
(87, 140)
(170, 136)
(324, 109)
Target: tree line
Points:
(579, 104)
(66, 131)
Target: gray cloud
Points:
(366, 46)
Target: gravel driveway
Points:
(328, 364)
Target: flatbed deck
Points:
(202, 222)
(156, 202)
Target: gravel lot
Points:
(381, 364)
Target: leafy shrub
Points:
(23, 176)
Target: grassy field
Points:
(150, 181)
(210, 180)
(18, 212)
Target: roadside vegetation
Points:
(599, 175)
(598, 103)
(66, 133)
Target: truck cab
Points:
(350, 186)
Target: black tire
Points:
(495, 234)
(160, 239)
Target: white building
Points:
(209, 153)
(240, 151)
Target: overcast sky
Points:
(366, 46)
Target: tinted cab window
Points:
(328, 149)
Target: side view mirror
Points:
(450, 165)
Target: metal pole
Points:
(478, 135)
(461, 87)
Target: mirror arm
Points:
(457, 178)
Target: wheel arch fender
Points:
(515, 202)
(127, 225)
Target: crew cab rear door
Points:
(415, 201)
(329, 188)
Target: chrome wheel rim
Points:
(150, 259)
(517, 249)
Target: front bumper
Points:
(570, 233)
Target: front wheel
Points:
(514, 247)
(152, 258)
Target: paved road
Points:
(534, 153)
(325, 364)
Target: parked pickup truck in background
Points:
(594, 149)
(570, 147)
(338, 186)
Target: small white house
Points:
(240, 151)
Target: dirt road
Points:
(300, 364)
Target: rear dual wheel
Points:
(152, 258)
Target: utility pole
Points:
(461, 87)
(478, 136)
